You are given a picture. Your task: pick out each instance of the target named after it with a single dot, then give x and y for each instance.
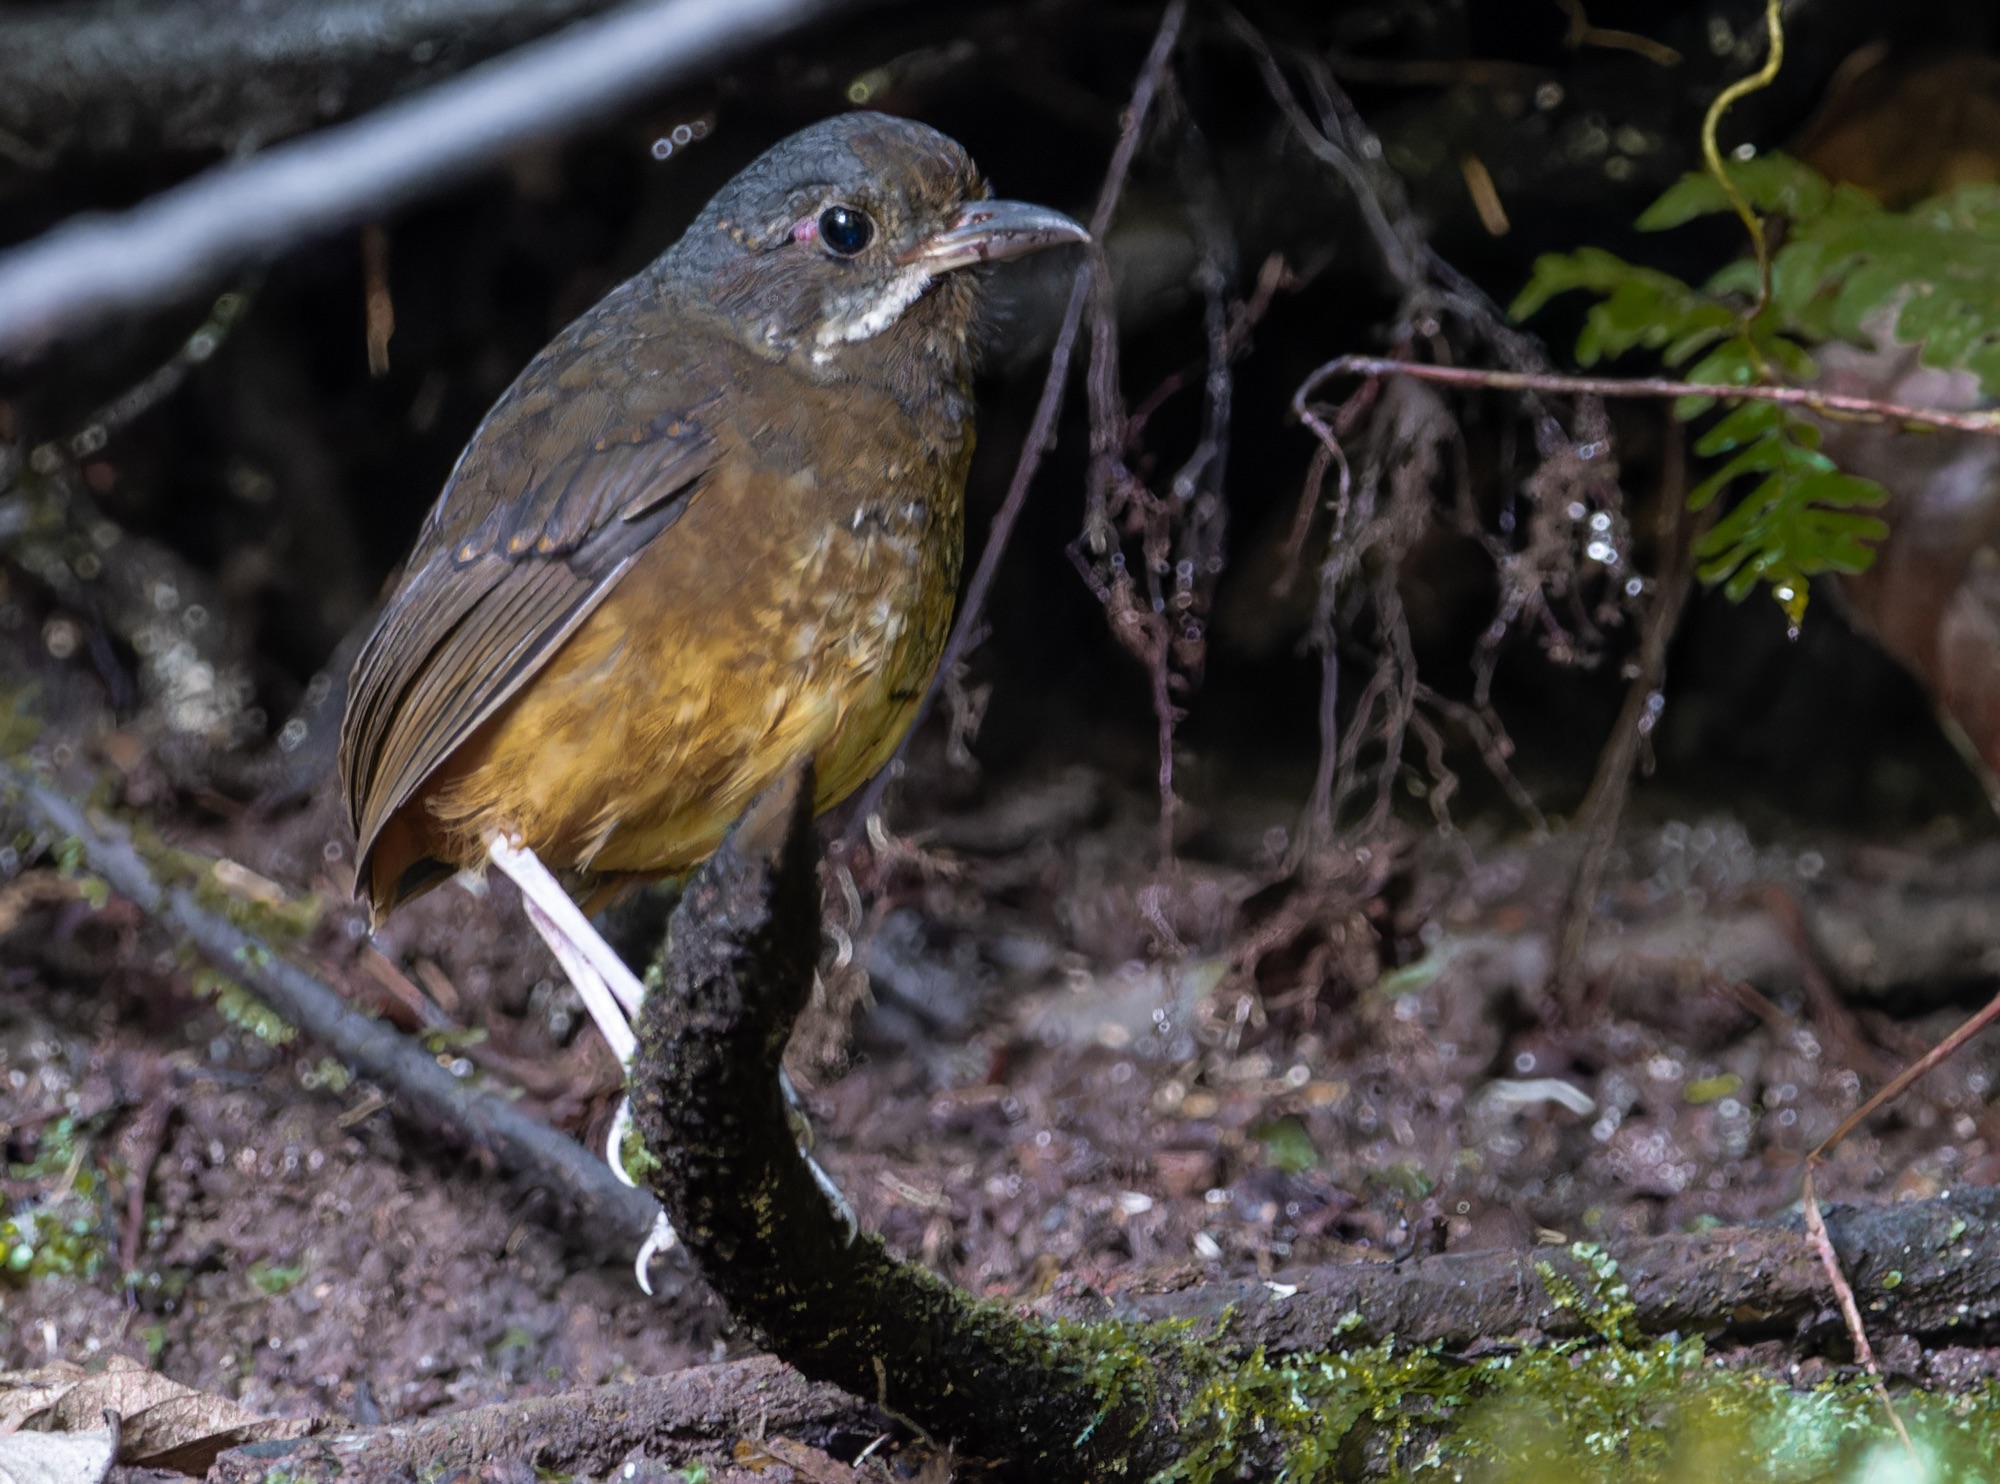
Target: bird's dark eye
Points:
(845, 230)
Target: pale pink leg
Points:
(610, 990)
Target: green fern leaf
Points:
(1848, 270)
(1637, 306)
(1802, 517)
(1774, 184)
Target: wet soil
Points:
(1069, 1063)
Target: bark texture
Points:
(1922, 1268)
(739, 968)
(691, 1412)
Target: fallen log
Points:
(687, 1414)
(1923, 1269)
(1057, 1399)
(1926, 1269)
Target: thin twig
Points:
(1900, 1083)
(1604, 805)
(143, 1143)
(1816, 1227)
(181, 240)
(1850, 1308)
(143, 396)
(1179, 534)
(1834, 404)
(610, 1216)
(1393, 245)
(1582, 33)
(1846, 1044)
(1041, 432)
(1495, 748)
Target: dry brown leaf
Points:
(165, 1425)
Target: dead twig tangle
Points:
(1387, 500)
(1042, 429)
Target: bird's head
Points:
(849, 243)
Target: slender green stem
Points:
(1724, 100)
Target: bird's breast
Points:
(797, 609)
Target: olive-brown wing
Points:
(581, 465)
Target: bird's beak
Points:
(990, 231)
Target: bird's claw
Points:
(802, 1135)
(614, 1142)
(660, 1240)
(796, 1113)
(842, 1212)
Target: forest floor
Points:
(1071, 1067)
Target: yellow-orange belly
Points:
(763, 629)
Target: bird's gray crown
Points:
(907, 176)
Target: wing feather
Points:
(580, 465)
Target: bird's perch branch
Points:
(180, 241)
(743, 945)
(1052, 1399)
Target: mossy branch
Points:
(1053, 1401)
(1174, 1385)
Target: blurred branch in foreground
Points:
(105, 78)
(608, 1216)
(177, 243)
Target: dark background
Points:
(293, 477)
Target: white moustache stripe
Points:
(877, 314)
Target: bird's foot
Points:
(614, 1143)
(662, 1239)
(611, 992)
(802, 1135)
(842, 1212)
